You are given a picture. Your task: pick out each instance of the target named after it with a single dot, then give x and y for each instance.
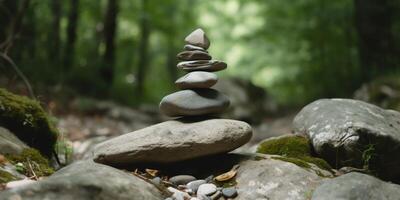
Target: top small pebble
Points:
(198, 38)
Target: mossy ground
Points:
(30, 162)
(294, 149)
(28, 121)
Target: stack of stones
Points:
(196, 96)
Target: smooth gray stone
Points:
(9, 143)
(86, 181)
(194, 103)
(197, 79)
(190, 47)
(173, 141)
(194, 185)
(198, 38)
(181, 179)
(345, 132)
(229, 192)
(193, 55)
(202, 65)
(206, 189)
(275, 179)
(356, 186)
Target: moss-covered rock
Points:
(6, 177)
(31, 161)
(28, 121)
(293, 148)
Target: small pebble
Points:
(206, 189)
(177, 194)
(181, 179)
(156, 180)
(203, 197)
(229, 192)
(194, 185)
(169, 198)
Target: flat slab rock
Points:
(194, 102)
(341, 130)
(86, 180)
(356, 186)
(173, 141)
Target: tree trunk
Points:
(376, 46)
(69, 54)
(110, 25)
(142, 67)
(54, 36)
(171, 58)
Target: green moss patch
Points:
(294, 149)
(30, 162)
(28, 121)
(6, 177)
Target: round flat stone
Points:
(194, 55)
(189, 47)
(229, 192)
(197, 79)
(198, 38)
(172, 141)
(194, 103)
(202, 65)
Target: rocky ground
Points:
(358, 139)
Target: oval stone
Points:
(174, 140)
(194, 102)
(189, 47)
(197, 80)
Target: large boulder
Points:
(268, 178)
(9, 143)
(356, 186)
(353, 133)
(173, 141)
(85, 180)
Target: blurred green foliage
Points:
(297, 50)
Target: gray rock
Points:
(198, 38)
(353, 133)
(177, 194)
(193, 55)
(229, 192)
(194, 185)
(194, 103)
(197, 80)
(217, 195)
(173, 141)
(356, 186)
(156, 181)
(9, 143)
(181, 179)
(274, 179)
(202, 65)
(86, 180)
(206, 189)
(190, 47)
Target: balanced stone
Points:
(198, 38)
(194, 55)
(202, 65)
(190, 47)
(194, 102)
(197, 79)
(173, 141)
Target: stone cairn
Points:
(196, 98)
